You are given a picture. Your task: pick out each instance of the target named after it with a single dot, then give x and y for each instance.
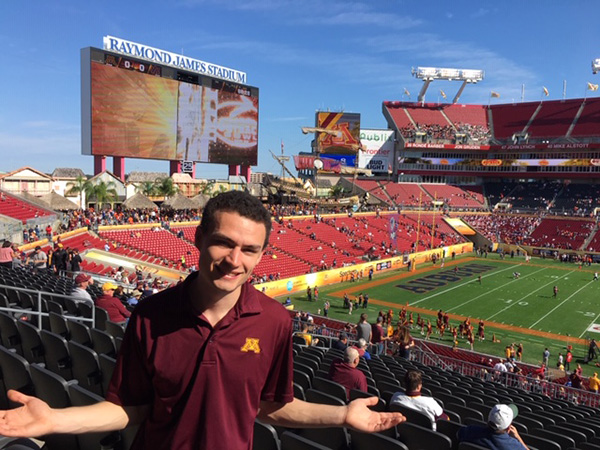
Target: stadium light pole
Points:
(429, 74)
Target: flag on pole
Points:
(495, 94)
(406, 92)
(592, 87)
(443, 94)
(546, 93)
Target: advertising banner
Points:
(580, 162)
(377, 150)
(307, 162)
(514, 147)
(340, 132)
(300, 283)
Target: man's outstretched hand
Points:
(361, 418)
(30, 420)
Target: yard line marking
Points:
(531, 293)
(586, 328)
(461, 285)
(495, 289)
(560, 304)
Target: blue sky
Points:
(303, 55)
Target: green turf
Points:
(526, 302)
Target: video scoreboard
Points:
(136, 108)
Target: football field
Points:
(515, 308)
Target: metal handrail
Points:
(508, 379)
(39, 313)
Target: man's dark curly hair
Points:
(239, 202)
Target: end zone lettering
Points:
(430, 282)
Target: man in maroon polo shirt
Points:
(113, 306)
(345, 372)
(197, 364)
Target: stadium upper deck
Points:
(525, 140)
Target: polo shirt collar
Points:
(248, 303)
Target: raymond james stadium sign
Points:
(158, 56)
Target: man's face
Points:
(229, 254)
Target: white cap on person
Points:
(501, 416)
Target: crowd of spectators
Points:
(565, 234)
(505, 228)
(463, 133)
(93, 218)
(477, 133)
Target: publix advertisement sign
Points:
(378, 150)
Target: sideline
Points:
(502, 326)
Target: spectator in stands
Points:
(116, 311)
(38, 259)
(17, 256)
(168, 377)
(147, 291)
(378, 336)
(308, 338)
(6, 254)
(76, 261)
(341, 343)
(118, 276)
(363, 328)
(499, 433)
(80, 293)
(51, 261)
(412, 398)
(405, 342)
(575, 379)
(345, 372)
(594, 382)
(60, 257)
(361, 347)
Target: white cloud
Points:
(443, 52)
(481, 12)
(315, 12)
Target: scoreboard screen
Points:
(137, 109)
(132, 64)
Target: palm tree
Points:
(147, 188)
(222, 189)
(103, 193)
(337, 191)
(165, 187)
(79, 186)
(207, 188)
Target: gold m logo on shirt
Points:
(251, 345)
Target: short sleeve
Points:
(131, 383)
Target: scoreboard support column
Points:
(119, 167)
(234, 171)
(174, 167)
(246, 171)
(99, 164)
